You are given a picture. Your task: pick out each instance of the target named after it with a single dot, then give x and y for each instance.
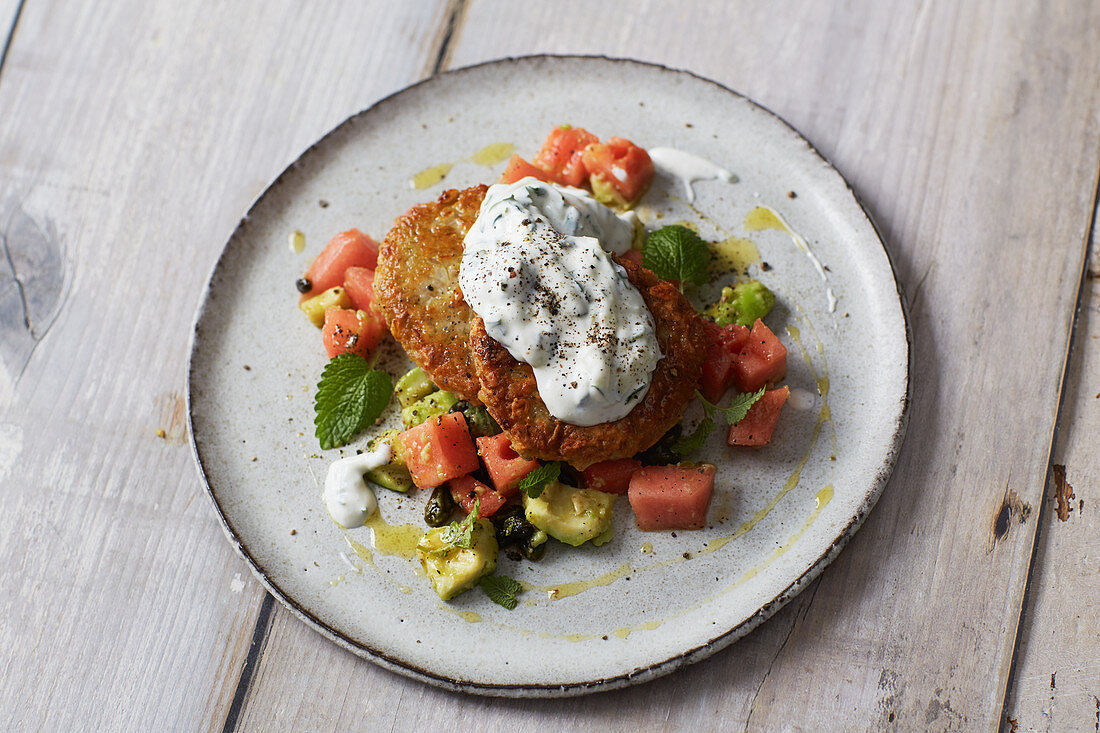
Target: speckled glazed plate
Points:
(591, 618)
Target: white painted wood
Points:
(971, 132)
(134, 134)
(8, 12)
(132, 137)
(1057, 676)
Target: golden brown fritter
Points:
(416, 285)
(509, 392)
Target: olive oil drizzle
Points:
(762, 218)
(489, 155)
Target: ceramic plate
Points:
(648, 602)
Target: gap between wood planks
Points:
(1043, 512)
(11, 34)
(262, 629)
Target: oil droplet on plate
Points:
(430, 176)
(734, 253)
(493, 153)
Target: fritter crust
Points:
(416, 285)
(509, 392)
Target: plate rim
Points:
(635, 676)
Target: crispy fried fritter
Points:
(416, 285)
(509, 392)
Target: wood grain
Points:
(1056, 682)
(133, 136)
(924, 108)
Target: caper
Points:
(535, 546)
(439, 507)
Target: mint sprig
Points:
(459, 534)
(674, 252)
(350, 396)
(736, 411)
(501, 590)
(534, 482)
(690, 443)
(739, 407)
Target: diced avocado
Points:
(742, 304)
(314, 308)
(455, 569)
(606, 194)
(414, 386)
(394, 475)
(437, 403)
(606, 536)
(571, 515)
(480, 423)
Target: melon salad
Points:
(481, 496)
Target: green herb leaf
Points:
(691, 443)
(501, 590)
(350, 396)
(737, 409)
(675, 252)
(460, 534)
(534, 482)
(733, 414)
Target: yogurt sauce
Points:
(349, 500)
(536, 268)
(688, 168)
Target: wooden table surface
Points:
(133, 134)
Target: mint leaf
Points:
(461, 533)
(737, 410)
(691, 443)
(501, 590)
(534, 482)
(675, 252)
(733, 414)
(350, 397)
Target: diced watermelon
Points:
(724, 343)
(348, 331)
(671, 497)
(612, 477)
(347, 249)
(359, 285)
(762, 360)
(465, 490)
(618, 171)
(519, 168)
(757, 426)
(562, 153)
(506, 467)
(438, 450)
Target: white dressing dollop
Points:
(348, 498)
(536, 268)
(688, 168)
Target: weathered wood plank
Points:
(303, 679)
(1056, 682)
(9, 11)
(971, 133)
(133, 136)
